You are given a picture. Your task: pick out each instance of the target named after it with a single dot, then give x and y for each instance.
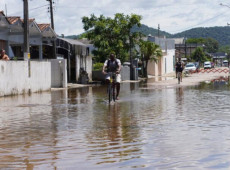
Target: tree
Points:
(211, 45)
(149, 51)
(109, 34)
(198, 55)
(196, 40)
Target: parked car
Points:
(190, 67)
(207, 65)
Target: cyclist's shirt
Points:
(179, 67)
(112, 66)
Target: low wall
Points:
(58, 73)
(125, 74)
(98, 76)
(14, 77)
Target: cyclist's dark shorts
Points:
(179, 70)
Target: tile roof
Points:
(12, 20)
(42, 27)
(2, 13)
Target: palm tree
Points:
(149, 51)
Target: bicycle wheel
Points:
(110, 93)
(178, 76)
(114, 92)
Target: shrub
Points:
(98, 66)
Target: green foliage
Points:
(211, 45)
(111, 34)
(145, 30)
(97, 66)
(198, 55)
(195, 41)
(225, 49)
(149, 51)
(221, 34)
(15, 58)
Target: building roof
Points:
(85, 41)
(13, 19)
(43, 27)
(218, 55)
(2, 12)
(73, 42)
(30, 20)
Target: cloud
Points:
(173, 15)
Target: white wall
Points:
(15, 79)
(168, 63)
(59, 73)
(89, 67)
(152, 68)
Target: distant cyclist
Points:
(113, 65)
(179, 68)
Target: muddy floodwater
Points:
(168, 128)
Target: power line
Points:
(32, 9)
(39, 7)
(202, 22)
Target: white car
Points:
(190, 67)
(207, 65)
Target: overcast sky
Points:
(172, 15)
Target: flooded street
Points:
(170, 128)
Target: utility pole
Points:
(52, 26)
(131, 57)
(26, 31)
(26, 36)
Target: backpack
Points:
(178, 65)
(109, 61)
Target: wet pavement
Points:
(171, 128)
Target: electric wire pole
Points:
(26, 31)
(52, 26)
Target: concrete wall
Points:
(98, 76)
(152, 68)
(14, 77)
(58, 73)
(89, 67)
(164, 66)
(78, 58)
(125, 74)
(168, 62)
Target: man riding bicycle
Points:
(113, 65)
(179, 68)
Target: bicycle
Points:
(179, 76)
(111, 90)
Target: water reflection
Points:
(184, 128)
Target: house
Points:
(79, 62)
(12, 37)
(166, 63)
(183, 49)
(218, 57)
(41, 40)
